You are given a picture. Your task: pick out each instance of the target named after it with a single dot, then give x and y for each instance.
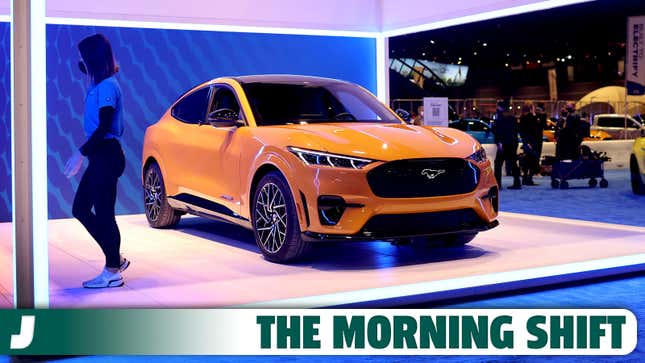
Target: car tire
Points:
(637, 183)
(275, 220)
(459, 239)
(158, 212)
(604, 183)
(456, 239)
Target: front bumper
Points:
(366, 235)
(363, 207)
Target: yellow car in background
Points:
(594, 135)
(637, 166)
(303, 159)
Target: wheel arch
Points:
(153, 157)
(265, 169)
(149, 161)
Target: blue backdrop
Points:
(156, 67)
(5, 124)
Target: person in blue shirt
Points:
(103, 128)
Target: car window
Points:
(224, 99)
(352, 102)
(612, 122)
(459, 125)
(284, 103)
(192, 108)
(477, 126)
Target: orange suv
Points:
(302, 159)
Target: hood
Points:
(378, 141)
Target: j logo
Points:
(26, 335)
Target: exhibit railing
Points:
(485, 108)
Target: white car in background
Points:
(618, 126)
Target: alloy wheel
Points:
(271, 220)
(152, 194)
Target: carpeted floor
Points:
(615, 204)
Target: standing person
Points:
(418, 119)
(103, 127)
(505, 130)
(570, 136)
(531, 133)
(542, 122)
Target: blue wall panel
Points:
(159, 65)
(5, 123)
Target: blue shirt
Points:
(105, 94)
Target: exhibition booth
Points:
(163, 52)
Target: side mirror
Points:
(227, 123)
(225, 117)
(405, 115)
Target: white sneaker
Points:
(104, 279)
(125, 263)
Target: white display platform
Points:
(211, 264)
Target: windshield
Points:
(285, 104)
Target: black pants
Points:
(98, 190)
(508, 155)
(531, 162)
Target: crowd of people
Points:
(571, 129)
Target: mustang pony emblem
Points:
(432, 173)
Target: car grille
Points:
(385, 225)
(415, 178)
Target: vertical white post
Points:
(382, 69)
(29, 156)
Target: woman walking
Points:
(103, 128)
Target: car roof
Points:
(470, 120)
(268, 78)
(617, 115)
(286, 79)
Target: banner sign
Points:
(553, 84)
(635, 67)
(435, 111)
(318, 332)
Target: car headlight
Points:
(478, 156)
(311, 157)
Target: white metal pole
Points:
(382, 69)
(29, 156)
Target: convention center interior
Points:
(310, 154)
